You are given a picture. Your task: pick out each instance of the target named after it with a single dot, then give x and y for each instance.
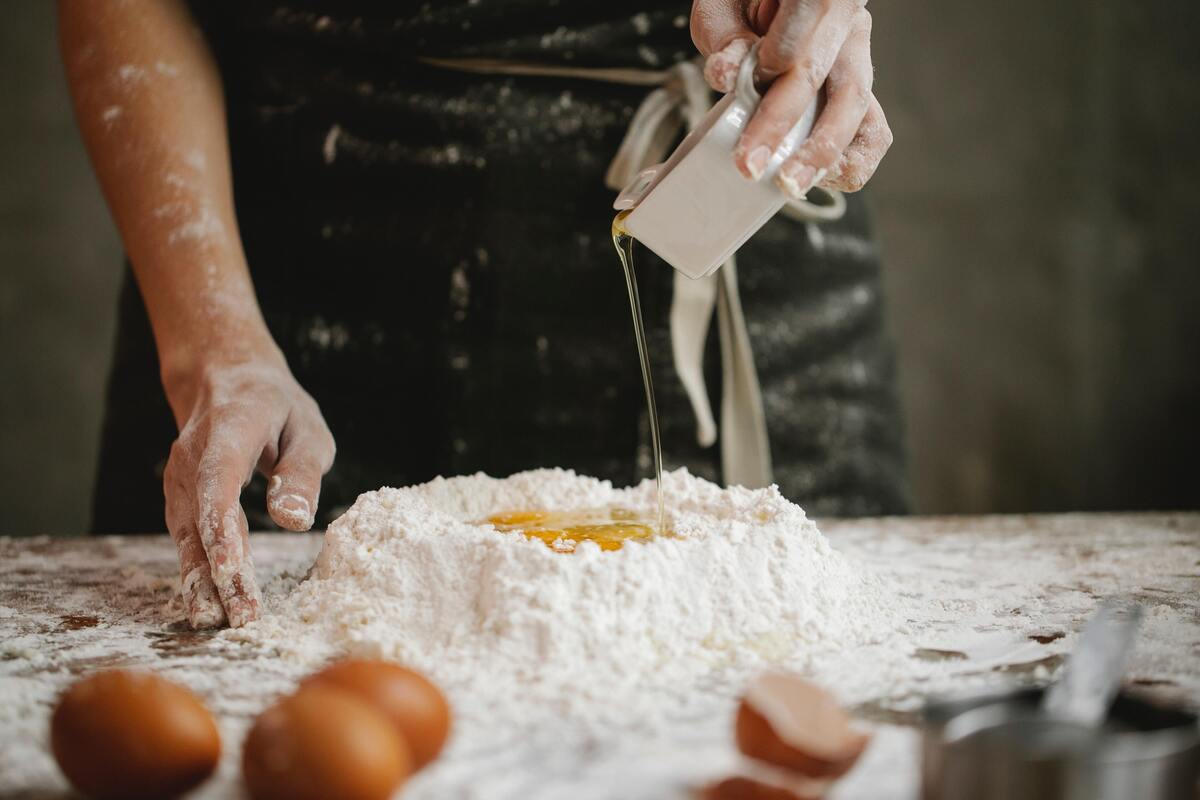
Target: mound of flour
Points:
(508, 624)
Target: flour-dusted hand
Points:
(805, 44)
(163, 163)
(238, 418)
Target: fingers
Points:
(223, 469)
(804, 34)
(716, 23)
(721, 68)
(848, 96)
(245, 417)
(306, 454)
(201, 602)
(761, 14)
(722, 34)
(200, 598)
(802, 57)
(862, 157)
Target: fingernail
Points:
(293, 508)
(796, 181)
(243, 602)
(240, 612)
(756, 162)
(200, 600)
(721, 68)
(206, 614)
(720, 73)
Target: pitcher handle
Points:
(744, 86)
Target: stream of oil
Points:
(623, 242)
(608, 528)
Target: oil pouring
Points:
(694, 211)
(608, 528)
(623, 242)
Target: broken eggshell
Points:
(788, 721)
(757, 781)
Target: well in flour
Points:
(562, 531)
(745, 581)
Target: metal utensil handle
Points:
(1093, 673)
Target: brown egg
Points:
(123, 734)
(414, 705)
(788, 721)
(324, 742)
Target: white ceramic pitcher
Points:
(696, 209)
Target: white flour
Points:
(518, 631)
(984, 603)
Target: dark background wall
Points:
(1041, 224)
(59, 271)
(1039, 214)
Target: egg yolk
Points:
(562, 531)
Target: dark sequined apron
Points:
(430, 250)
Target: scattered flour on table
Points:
(601, 675)
(411, 574)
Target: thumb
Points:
(295, 484)
(722, 34)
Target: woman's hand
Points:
(150, 105)
(236, 418)
(806, 44)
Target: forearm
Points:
(149, 103)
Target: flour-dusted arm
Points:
(148, 100)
